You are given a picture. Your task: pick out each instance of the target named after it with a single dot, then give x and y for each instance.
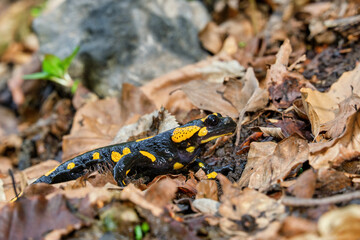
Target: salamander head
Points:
(203, 130)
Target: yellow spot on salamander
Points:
(70, 165)
(178, 165)
(201, 165)
(148, 155)
(123, 182)
(212, 175)
(96, 155)
(203, 131)
(142, 139)
(115, 156)
(214, 137)
(127, 172)
(190, 149)
(183, 133)
(49, 172)
(126, 151)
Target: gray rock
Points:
(123, 41)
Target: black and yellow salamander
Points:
(166, 152)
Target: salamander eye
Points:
(212, 120)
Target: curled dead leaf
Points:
(199, 91)
(212, 37)
(250, 206)
(162, 192)
(324, 107)
(33, 218)
(304, 186)
(207, 189)
(342, 223)
(343, 148)
(268, 162)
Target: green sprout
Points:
(37, 10)
(140, 231)
(54, 69)
(242, 44)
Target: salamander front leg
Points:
(122, 168)
(210, 171)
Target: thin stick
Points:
(13, 181)
(238, 129)
(309, 202)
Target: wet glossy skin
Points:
(166, 152)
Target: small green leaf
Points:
(52, 65)
(67, 61)
(74, 87)
(39, 75)
(242, 44)
(145, 227)
(138, 232)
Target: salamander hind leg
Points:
(122, 168)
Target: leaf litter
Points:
(292, 170)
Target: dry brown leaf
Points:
(5, 165)
(134, 102)
(342, 223)
(290, 126)
(82, 96)
(336, 127)
(230, 46)
(161, 90)
(239, 27)
(284, 86)
(268, 163)
(96, 123)
(148, 125)
(32, 218)
(133, 194)
(304, 186)
(212, 85)
(258, 156)
(324, 107)
(212, 37)
(317, 9)
(245, 93)
(265, 212)
(199, 91)
(206, 205)
(330, 182)
(293, 226)
(278, 69)
(207, 189)
(162, 192)
(8, 123)
(338, 150)
(319, 107)
(274, 132)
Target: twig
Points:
(238, 129)
(309, 202)
(13, 182)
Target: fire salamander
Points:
(166, 152)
